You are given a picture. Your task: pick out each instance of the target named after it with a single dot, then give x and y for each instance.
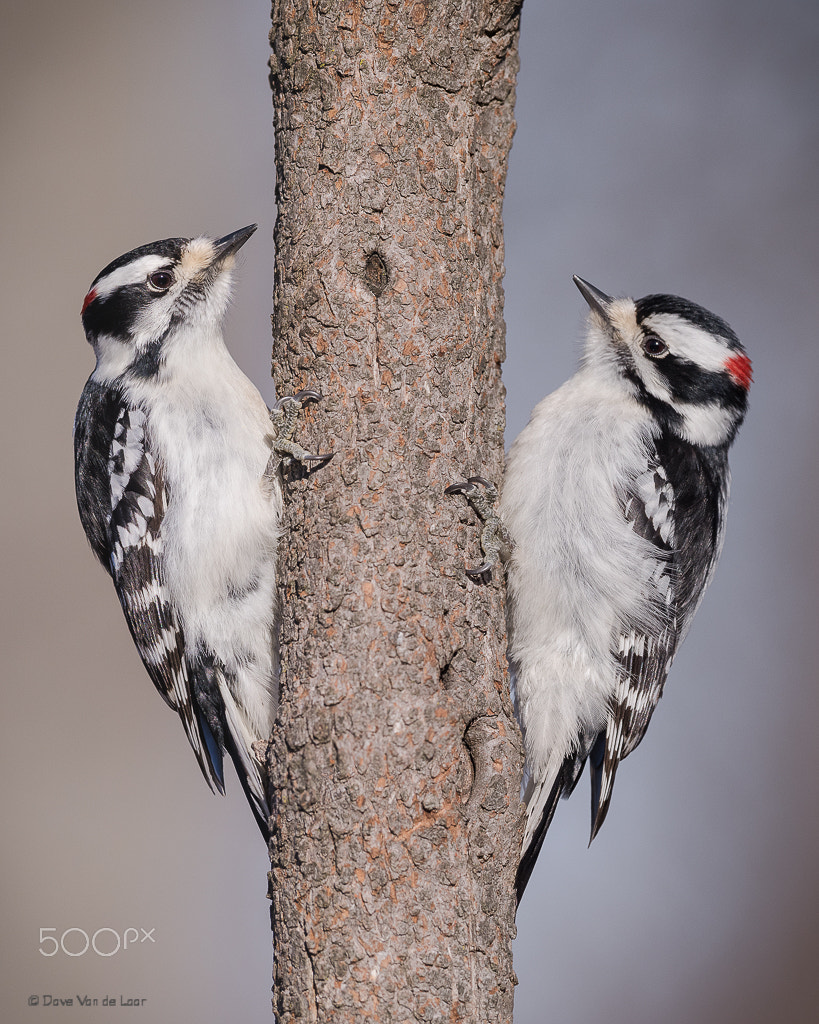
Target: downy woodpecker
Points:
(177, 478)
(613, 516)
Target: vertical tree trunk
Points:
(396, 760)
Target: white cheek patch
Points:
(653, 380)
(113, 358)
(688, 342)
(705, 424)
(132, 273)
(154, 320)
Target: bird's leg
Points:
(284, 417)
(494, 536)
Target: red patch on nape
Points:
(89, 298)
(739, 366)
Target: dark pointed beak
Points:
(230, 244)
(598, 301)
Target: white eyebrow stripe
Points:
(689, 342)
(131, 273)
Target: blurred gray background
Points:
(659, 148)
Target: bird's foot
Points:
(482, 495)
(284, 417)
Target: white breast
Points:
(571, 574)
(209, 428)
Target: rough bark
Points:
(396, 761)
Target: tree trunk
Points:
(396, 761)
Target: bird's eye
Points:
(160, 280)
(654, 347)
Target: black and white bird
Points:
(613, 507)
(176, 472)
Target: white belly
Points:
(571, 574)
(211, 432)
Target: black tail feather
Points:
(260, 814)
(218, 737)
(589, 746)
(596, 761)
(530, 854)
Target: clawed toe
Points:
(466, 486)
(301, 397)
(285, 416)
(481, 495)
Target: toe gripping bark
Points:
(284, 417)
(494, 536)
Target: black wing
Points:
(677, 505)
(122, 499)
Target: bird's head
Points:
(686, 364)
(139, 299)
